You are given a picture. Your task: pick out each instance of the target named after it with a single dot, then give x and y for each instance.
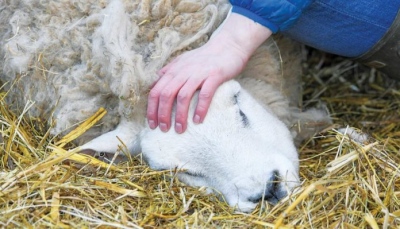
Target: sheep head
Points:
(241, 150)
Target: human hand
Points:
(204, 68)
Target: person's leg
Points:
(348, 28)
(385, 54)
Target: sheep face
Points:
(241, 150)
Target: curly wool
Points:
(72, 57)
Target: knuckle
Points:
(154, 94)
(151, 114)
(164, 118)
(205, 95)
(217, 72)
(202, 106)
(166, 95)
(151, 110)
(201, 109)
(183, 97)
(180, 117)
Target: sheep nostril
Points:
(274, 182)
(273, 192)
(270, 196)
(273, 198)
(255, 199)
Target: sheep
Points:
(72, 57)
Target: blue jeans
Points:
(344, 27)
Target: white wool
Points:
(102, 53)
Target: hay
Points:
(346, 183)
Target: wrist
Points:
(240, 33)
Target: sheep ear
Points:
(226, 93)
(109, 142)
(106, 157)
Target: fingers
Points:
(164, 92)
(179, 80)
(161, 99)
(183, 100)
(206, 94)
(154, 99)
(157, 91)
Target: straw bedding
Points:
(346, 183)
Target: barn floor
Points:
(347, 182)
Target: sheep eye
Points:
(193, 174)
(100, 155)
(245, 120)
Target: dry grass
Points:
(346, 184)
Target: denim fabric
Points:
(344, 27)
(277, 15)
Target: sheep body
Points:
(72, 57)
(68, 54)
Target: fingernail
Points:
(196, 119)
(163, 127)
(178, 128)
(152, 124)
